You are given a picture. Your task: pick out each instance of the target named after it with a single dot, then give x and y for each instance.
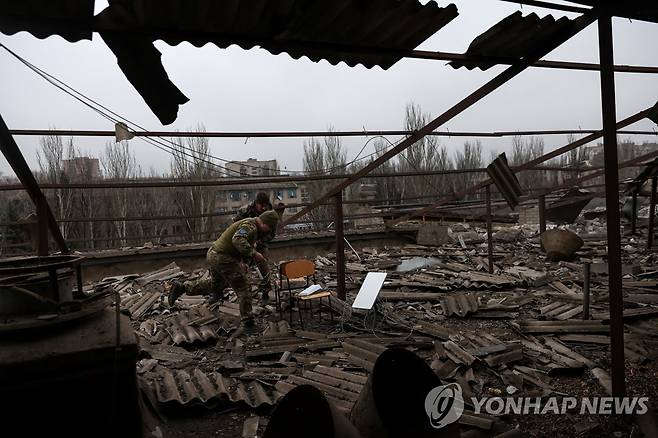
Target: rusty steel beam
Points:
(228, 182)
(587, 274)
(634, 215)
(612, 205)
(627, 121)
(489, 230)
(340, 247)
(284, 134)
(542, 213)
(548, 5)
(18, 164)
(533, 61)
(652, 214)
(455, 110)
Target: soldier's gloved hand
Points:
(244, 266)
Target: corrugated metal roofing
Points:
(189, 327)
(318, 30)
(514, 37)
(277, 25)
(506, 181)
(43, 18)
(201, 388)
(459, 305)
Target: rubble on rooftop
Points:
(518, 331)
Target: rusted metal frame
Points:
(489, 229)
(548, 5)
(587, 274)
(340, 246)
(634, 215)
(587, 139)
(612, 203)
(18, 164)
(652, 213)
(542, 213)
(264, 180)
(568, 184)
(281, 134)
(457, 109)
(156, 34)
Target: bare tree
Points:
(192, 161)
(51, 157)
(470, 157)
(524, 150)
(322, 158)
(119, 164)
(425, 154)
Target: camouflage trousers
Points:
(265, 284)
(224, 271)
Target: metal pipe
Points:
(457, 109)
(543, 4)
(489, 233)
(304, 134)
(542, 213)
(652, 213)
(340, 247)
(612, 204)
(587, 273)
(244, 41)
(634, 215)
(240, 182)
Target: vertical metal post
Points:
(542, 213)
(612, 203)
(42, 226)
(489, 236)
(634, 215)
(587, 272)
(340, 247)
(78, 277)
(652, 213)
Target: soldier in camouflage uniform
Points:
(261, 204)
(228, 260)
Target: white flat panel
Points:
(369, 290)
(310, 290)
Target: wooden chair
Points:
(296, 269)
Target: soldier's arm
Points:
(241, 241)
(241, 215)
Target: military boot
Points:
(175, 291)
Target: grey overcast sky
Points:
(237, 90)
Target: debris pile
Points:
(519, 331)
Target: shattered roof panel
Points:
(201, 388)
(278, 26)
(514, 38)
(43, 18)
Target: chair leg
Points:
(330, 309)
(299, 312)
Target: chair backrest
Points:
(297, 268)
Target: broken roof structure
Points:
(377, 33)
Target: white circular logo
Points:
(444, 405)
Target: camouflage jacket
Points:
(239, 240)
(250, 211)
